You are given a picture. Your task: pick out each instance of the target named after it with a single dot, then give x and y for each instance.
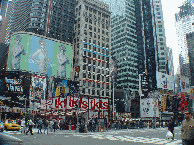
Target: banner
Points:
(149, 108)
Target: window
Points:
(161, 48)
(160, 30)
(161, 39)
(94, 29)
(162, 53)
(86, 26)
(90, 27)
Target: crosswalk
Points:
(155, 141)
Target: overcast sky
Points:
(170, 7)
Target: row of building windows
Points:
(94, 92)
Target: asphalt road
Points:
(118, 137)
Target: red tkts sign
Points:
(84, 103)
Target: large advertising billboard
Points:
(164, 81)
(39, 54)
(149, 107)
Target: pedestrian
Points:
(51, 125)
(70, 123)
(30, 124)
(46, 126)
(40, 125)
(23, 126)
(171, 126)
(61, 125)
(54, 125)
(187, 129)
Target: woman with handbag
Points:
(171, 126)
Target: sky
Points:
(170, 7)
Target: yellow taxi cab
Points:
(11, 125)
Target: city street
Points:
(124, 137)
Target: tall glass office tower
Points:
(184, 25)
(124, 42)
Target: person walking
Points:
(46, 126)
(30, 124)
(171, 126)
(187, 129)
(70, 123)
(61, 124)
(54, 125)
(51, 125)
(40, 125)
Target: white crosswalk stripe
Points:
(135, 139)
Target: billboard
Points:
(184, 84)
(149, 108)
(10, 83)
(164, 81)
(39, 54)
(37, 90)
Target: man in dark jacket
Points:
(171, 126)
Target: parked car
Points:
(11, 125)
(6, 139)
(1, 127)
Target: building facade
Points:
(51, 18)
(170, 64)
(146, 41)
(5, 10)
(190, 45)
(19, 17)
(184, 24)
(160, 36)
(124, 42)
(92, 47)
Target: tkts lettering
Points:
(70, 102)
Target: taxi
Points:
(11, 125)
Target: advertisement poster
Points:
(11, 84)
(184, 83)
(39, 55)
(37, 90)
(149, 108)
(61, 88)
(164, 81)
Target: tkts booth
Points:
(66, 108)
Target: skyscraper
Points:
(51, 18)
(190, 45)
(19, 17)
(160, 37)
(184, 24)
(92, 47)
(146, 41)
(5, 10)
(124, 42)
(170, 64)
